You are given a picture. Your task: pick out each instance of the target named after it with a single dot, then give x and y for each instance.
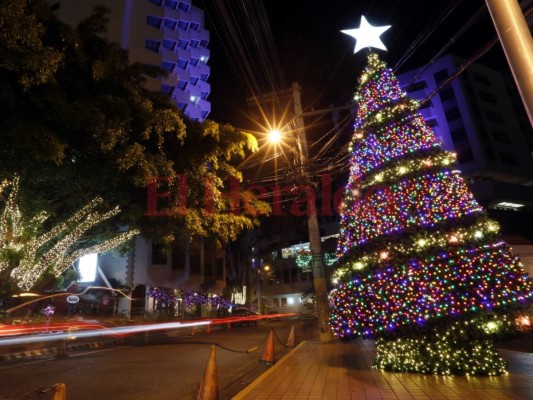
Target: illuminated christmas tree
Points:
(421, 267)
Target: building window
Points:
(204, 95)
(182, 63)
(195, 26)
(168, 66)
(284, 302)
(194, 43)
(204, 77)
(204, 43)
(194, 62)
(426, 104)
(183, 25)
(182, 44)
(153, 45)
(431, 122)
(169, 44)
(481, 78)
(458, 135)
(182, 106)
(184, 7)
(170, 23)
(204, 114)
(446, 94)
(154, 21)
(275, 302)
(441, 75)
(157, 2)
(194, 80)
(182, 85)
(171, 4)
(453, 114)
(167, 89)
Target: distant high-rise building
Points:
(479, 115)
(166, 33)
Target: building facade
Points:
(169, 34)
(480, 116)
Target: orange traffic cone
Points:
(268, 354)
(290, 340)
(209, 386)
(60, 391)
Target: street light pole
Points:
(319, 276)
(517, 44)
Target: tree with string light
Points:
(421, 267)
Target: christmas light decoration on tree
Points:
(27, 253)
(421, 268)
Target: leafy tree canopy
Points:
(77, 123)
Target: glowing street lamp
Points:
(274, 136)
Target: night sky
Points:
(311, 50)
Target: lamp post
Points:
(319, 276)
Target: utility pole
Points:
(301, 154)
(319, 276)
(517, 44)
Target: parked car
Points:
(246, 314)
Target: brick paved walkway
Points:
(342, 371)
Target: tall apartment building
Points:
(480, 116)
(167, 33)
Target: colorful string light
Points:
(420, 265)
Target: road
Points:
(168, 369)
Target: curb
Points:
(251, 386)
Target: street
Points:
(168, 369)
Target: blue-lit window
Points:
(171, 4)
(182, 63)
(167, 89)
(195, 26)
(170, 23)
(183, 25)
(182, 106)
(153, 45)
(184, 7)
(194, 80)
(154, 21)
(205, 114)
(194, 43)
(441, 75)
(203, 43)
(168, 66)
(194, 62)
(157, 2)
(204, 77)
(169, 44)
(204, 95)
(182, 85)
(182, 44)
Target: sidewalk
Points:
(342, 371)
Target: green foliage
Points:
(77, 123)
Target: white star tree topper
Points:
(367, 35)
